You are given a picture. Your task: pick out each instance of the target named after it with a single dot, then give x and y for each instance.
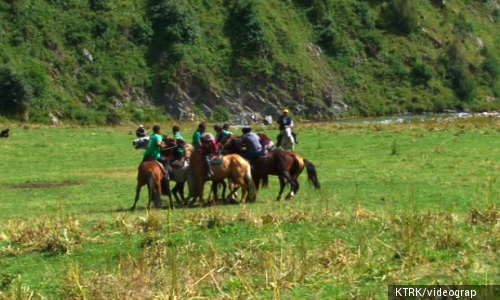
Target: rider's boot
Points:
(295, 137)
(208, 168)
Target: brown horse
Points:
(181, 174)
(151, 174)
(287, 165)
(233, 167)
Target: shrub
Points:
(404, 15)
(174, 21)
(491, 66)
(220, 114)
(248, 30)
(141, 32)
(100, 26)
(367, 18)
(98, 5)
(329, 36)
(15, 92)
(462, 25)
(421, 73)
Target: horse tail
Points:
(252, 191)
(312, 175)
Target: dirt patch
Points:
(43, 184)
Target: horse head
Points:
(230, 144)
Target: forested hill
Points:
(107, 61)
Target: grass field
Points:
(411, 203)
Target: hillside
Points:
(108, 61)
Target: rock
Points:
(53, 119)
(479, 42)
(206, 110)
(268, 120)
(87, 54)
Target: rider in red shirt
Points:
(207, 149)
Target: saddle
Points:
(216, 160)
(152, 158)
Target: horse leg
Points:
(292, 182)
(137, 193)
(168, 192)
(282, 186)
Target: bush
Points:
(97, 5)
(247, 29)
(365, 15)
(491, 66)
(220, 114)
(15, 92)
(421, 73)
(404, 15)
(141, 32)
(462, 25)
(100, 26)
(329, 37)
(462, 83)
(174, 21)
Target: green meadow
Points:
(406, 203)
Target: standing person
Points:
(221, 133)
(197, 135)
(250, 144)
(153, 152)
(208, 148)
(285, 121)
(140, 132)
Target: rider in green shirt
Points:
(153, 152)
(155, 144)
(197, 135)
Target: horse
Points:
(287, 165)
(141, 143)
(233, 166)
(181, 174)
(150, 173)
(287, 142)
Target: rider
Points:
(153, 152)
(226, 128)
(221, 133)
(285, 121)
(140, 132)
(208, 147)
(178, 152)
(266, 142)
(197, 135)
(250, 144)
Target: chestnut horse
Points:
(287, 165)
(233, 167)
(151, 174)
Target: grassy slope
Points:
(395, 206)
(44, 40)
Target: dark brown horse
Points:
(151, 174)
(287, 165)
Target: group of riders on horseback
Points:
(251, 146)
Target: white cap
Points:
(141, 125)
